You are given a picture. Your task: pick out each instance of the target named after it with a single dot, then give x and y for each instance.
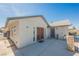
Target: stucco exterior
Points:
(61, 31)
(28, 26)
(13, 28)
(26, 30)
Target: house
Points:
(59, 29)
(27, 30)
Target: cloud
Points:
(8, 10)
(16, 11)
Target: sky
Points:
(51, 11)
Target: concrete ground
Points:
(50, 47)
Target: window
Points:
(13, 30)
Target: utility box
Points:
(70, 43)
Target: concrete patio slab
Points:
(50, 47)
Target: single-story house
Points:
(59, 29)
(27, 30)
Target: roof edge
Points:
(13, 18)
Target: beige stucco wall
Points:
(15, 37)
(27, 26)
(70, 43)
(61, 31)
(47, 32)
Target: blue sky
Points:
(52, 12)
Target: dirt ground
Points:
(5, 49)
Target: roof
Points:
(14, 18)
(60, 23)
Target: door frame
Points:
(40, 34)
(8, 34)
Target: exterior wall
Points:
(26, 36)
(70, 43)
(61, 32)
(13, 27)
(27, 28)
(47, 32)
